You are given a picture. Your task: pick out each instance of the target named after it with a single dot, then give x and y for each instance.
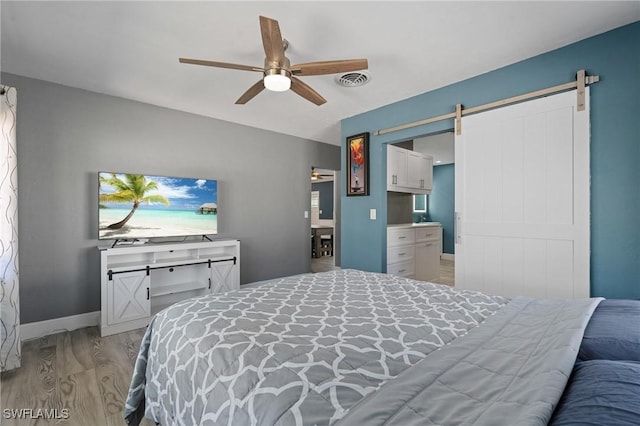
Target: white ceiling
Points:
(439, 146)
(131, 49)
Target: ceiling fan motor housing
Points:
(277, 71)
(277, 67)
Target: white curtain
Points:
(9, 300)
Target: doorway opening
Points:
(439, 205)
(324, 217)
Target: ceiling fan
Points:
(278, 73)
(317, 176)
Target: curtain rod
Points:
(581, 80)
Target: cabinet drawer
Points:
(400, 254)
(428, 233)
(399, 236)
(403, 269)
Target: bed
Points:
(349, 347)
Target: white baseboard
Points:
(35, 330)
(448, 256)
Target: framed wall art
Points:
(358, 164)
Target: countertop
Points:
(414, 225)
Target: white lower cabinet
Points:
(413, 251)
(139, 281)
(428, 261)
(401, 252)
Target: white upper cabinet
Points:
(419, 170)
(408, 171)
(396, 167)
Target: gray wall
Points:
(66, 135)
(399, 208)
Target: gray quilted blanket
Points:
(351, 347)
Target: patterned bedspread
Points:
(308, 349)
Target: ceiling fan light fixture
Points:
(277, 80)
(278, 74)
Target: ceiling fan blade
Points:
(329, 67)
(220, 64)
(272, 40)
(251, 93)
(304, 90)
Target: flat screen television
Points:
(135, 206)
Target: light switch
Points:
(306, 214)
(372, 214)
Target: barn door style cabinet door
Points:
(409, 171)
(224, 276)
(139, 281)
(128, 297)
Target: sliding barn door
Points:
(522, 199)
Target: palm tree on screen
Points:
(133, 189)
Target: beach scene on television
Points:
(133, 206)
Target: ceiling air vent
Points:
(353, 79)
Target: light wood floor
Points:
(447, 272)
(90, 375)
(80, 371)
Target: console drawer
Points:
(428, 233)
(400, 254)
(400, 236)
(403, 269)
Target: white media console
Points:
(139, 281)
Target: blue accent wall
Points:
(326, 198)
(442, 203)
(615, 151)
